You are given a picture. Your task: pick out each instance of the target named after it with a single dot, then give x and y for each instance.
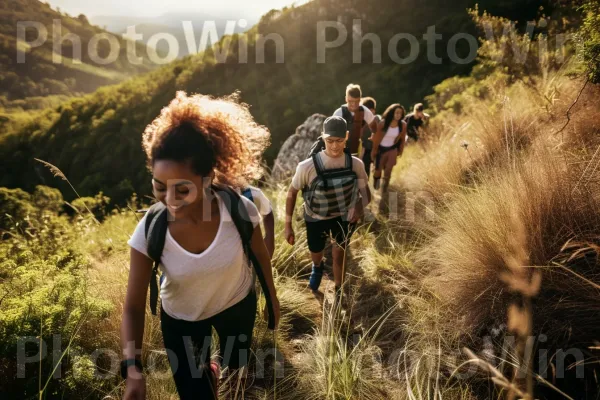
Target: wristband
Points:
(125, 364)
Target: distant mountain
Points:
(172, 24)
(39, 75)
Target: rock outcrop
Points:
(297, 146)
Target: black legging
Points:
(188, 346)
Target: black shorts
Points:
(318, 233)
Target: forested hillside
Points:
(39, 76)
(95, 139)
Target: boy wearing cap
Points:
(335, 189)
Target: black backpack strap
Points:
(156, 231)
(348, 161)
(347, 115)
(241, 219)
(318, 145)
(319, 167)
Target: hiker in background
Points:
(265, 210)
(415, 121)
(335, 189)
(388, 144)
(206, 239)
(356, 117)
(367, 134)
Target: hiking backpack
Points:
(319, 144)
(334, 191)
(156, 231)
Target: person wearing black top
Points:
(414, 121)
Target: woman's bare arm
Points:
(269, 222)
(132, 326)
(378, 137)
(262, 255)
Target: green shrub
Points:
(44, 294)
(590, 34)
(97, 205)
(48, 199)
(15, 207)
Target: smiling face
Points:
(353, 103)
(177, 186)
(398, 114)
(334, 146)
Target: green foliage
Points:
(48, 199)
(590, 34)
(39, 76)
(15, 207)
(18, 209)
(523, 53)
(97, 205)
(44, 294)
(507, 53)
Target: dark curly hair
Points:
(210, 134)
(388, 116)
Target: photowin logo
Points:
(231, 47)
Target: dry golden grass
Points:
(504, 213)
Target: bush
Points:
(48, 199)
(97, 205)
(590, 34)
(43, 287)
(15, 207)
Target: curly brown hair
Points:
(212, 134)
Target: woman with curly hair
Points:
(194, 146)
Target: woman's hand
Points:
(373, 155)
(290, 237)
(276, 310)
(135, 388)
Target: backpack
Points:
(333, 191)
(156, 230)
(319, 144)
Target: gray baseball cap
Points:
(335, 126)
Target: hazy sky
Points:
(154, 8)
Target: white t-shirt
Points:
(367, 115)
(198, 286)
(306, 173)
(261, 201)
(390, 137)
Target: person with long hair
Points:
(199, 149)
(388, 144)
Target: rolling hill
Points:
(39, 76)
(95, 140)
